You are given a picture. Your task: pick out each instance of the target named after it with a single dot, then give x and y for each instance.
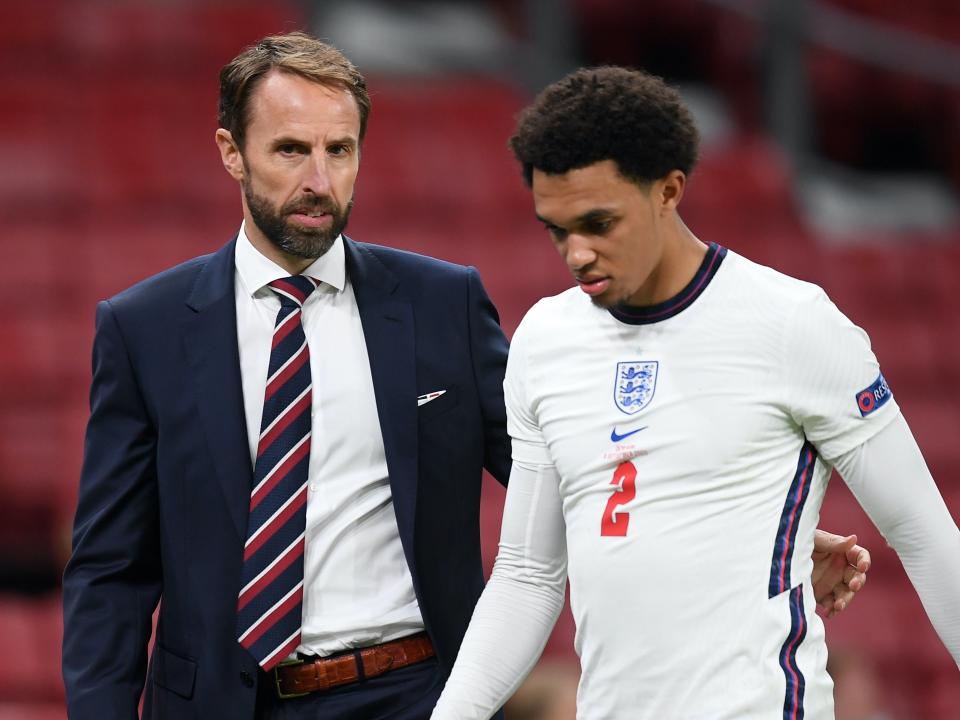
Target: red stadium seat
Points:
(440, 146)
(30, 632)
(40, 453)
(31, 711)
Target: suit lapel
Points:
(387, 319)
(210, 339)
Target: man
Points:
(198, 469)
(286, 442)
(674, 419)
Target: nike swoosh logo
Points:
(617, 438)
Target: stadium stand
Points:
(109, 174)
(30, 683)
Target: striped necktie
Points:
(270, 605)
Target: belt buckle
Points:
(276, 679)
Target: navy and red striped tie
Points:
(270, 606)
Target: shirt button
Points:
(246, 678)
(313, 487)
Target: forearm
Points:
(889, 478)
(509, 628)
(518, 608)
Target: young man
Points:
(680, 403)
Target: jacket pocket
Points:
(173, 672)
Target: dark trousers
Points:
(409, 693)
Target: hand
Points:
(839, 571)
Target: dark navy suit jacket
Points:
(166, 476)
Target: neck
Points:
(678, 263)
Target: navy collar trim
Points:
(644, 315)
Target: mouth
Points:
(312, 218)
(593, 285)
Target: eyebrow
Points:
(291, 140)
(346, 140)
(589, 216)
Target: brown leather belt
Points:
(295, 678)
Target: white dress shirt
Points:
(357, 587)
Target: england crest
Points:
(634, 385)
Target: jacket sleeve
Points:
(489, 353)
(112, 582)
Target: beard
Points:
(301, 242)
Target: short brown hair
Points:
(296, 53)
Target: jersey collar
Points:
(646, 314)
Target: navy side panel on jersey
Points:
(790, 520)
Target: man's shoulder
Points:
(173, 283)
(750, 278)
(421, 278)
(406, 260)
(559, 314)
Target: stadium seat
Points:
(31, 711)
(31, 629)
(110, 175)
(433, 147)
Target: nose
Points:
(316, 179)
(578, 252)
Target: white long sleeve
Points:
(890, 480)
(519, 607)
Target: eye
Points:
(339, 150)
(598, 227)
(290, 149)
(557, 233)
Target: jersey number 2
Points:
(614, 524)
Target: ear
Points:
(230, 153)
(670, 190)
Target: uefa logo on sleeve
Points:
(873, 397)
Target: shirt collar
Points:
(257, 271)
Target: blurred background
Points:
(831, 151)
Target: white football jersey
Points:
(693, 441)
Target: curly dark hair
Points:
(607, 113)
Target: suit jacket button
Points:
(246, 678)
